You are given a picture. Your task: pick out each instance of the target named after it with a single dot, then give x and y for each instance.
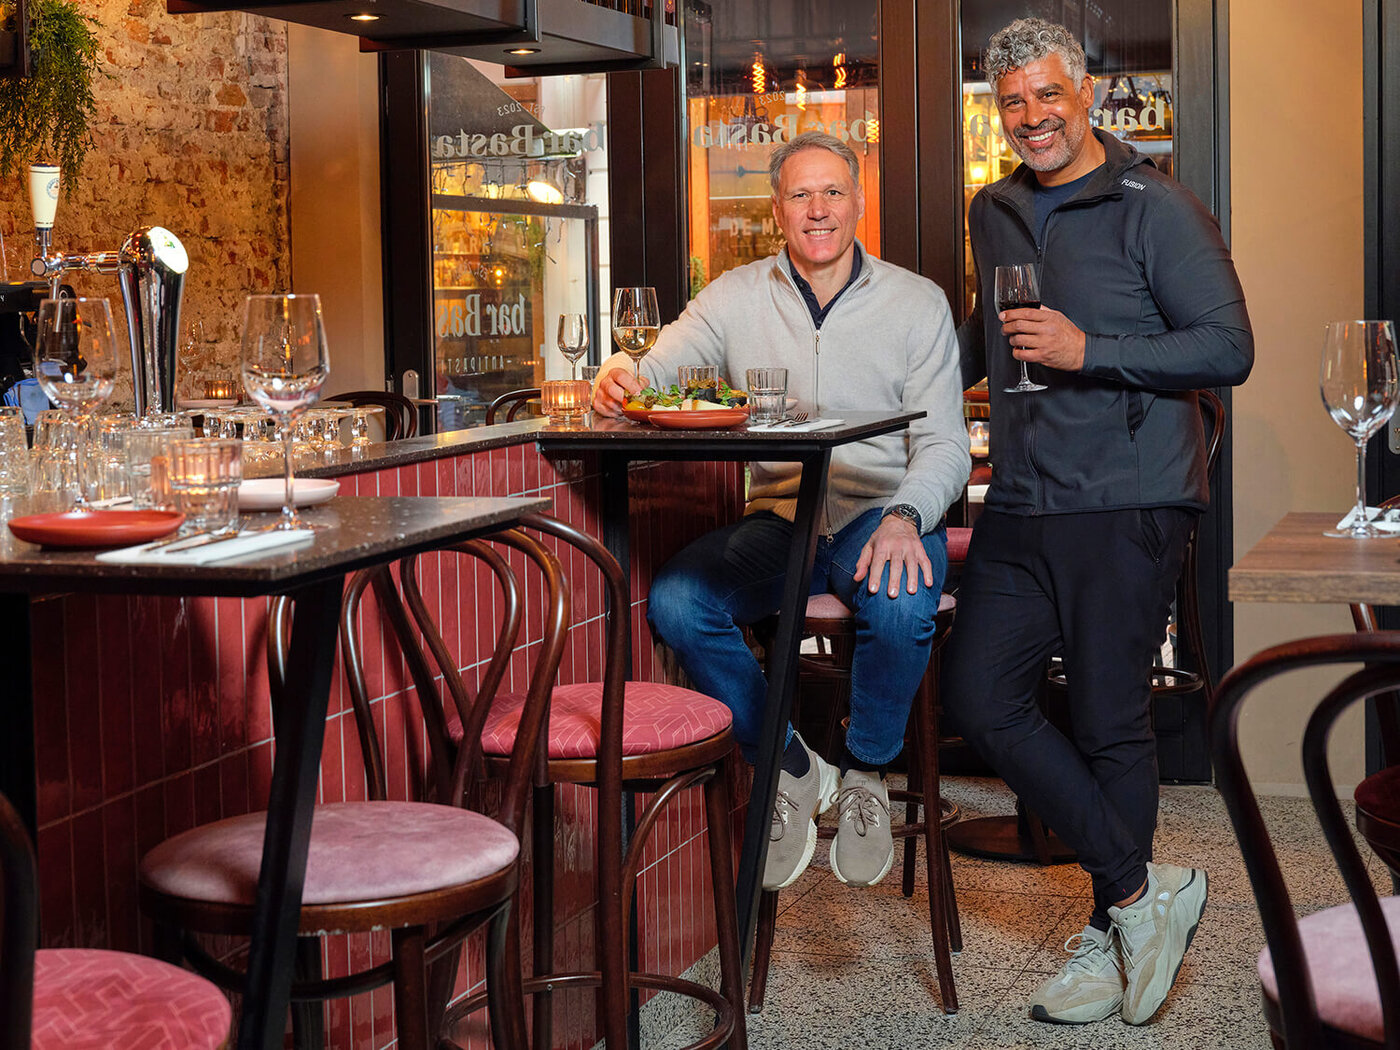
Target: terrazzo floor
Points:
(852, 969)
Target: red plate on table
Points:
(96, 528)
(638, 415)
(700, 418)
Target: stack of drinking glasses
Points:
(14, 454)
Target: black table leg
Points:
(782, 679)
(17, 771)
(301, 720)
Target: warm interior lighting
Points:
(544, 191)
(760, 74)
(838, 62)
(801, 93)
(978, 173)
(872, 133)
(523, 51)
(364, 16)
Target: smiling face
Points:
(1045, 119)
(817, 206)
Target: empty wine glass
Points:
(75, 363)
(573, 339)
(635, 324)
(1018, 288)
(285, 364)
(1359, 388)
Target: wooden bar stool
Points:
(429, 873)
(829, 619)
(65, 997)
(617, 736)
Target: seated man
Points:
(855, 333)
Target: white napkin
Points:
(1381, 519)
(204, 554)
(811, 424)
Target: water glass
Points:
(204, 475)
(14, 452)
(56, 463)
(590, 373)
(700, 381)
(767, 394)
(107, 476)
(148, 465)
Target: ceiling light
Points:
(523, 51)
(363, 17)
(543, 190)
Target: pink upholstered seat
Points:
(359, 851)
(1339, 965)
(958, 541)
(97, 1000)
(829, 607)
(659, 717)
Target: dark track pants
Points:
(1097, 589)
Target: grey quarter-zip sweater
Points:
(1138, 264)
(887, 344)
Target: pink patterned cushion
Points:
(359, 851)
(86, 999)
(830, 607)
(658, 718)
(958, 540)
(1344, 984)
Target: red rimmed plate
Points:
(700, 418)
(637, 415)
(96, 528)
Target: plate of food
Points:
(268, 493)
(648, 404)
(96, 528)
(699, 418)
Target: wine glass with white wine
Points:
(635, 323)
(75, 363)
(285, 364)
(1360, 384)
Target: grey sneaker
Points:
(793, 834)
(1089, 987)
(863, 851)
(1154, 933)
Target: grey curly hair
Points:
(812, 140)
(1029, 40)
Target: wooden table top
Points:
(1295, 562)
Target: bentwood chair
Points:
(1328, 979)
(1377, 797)
(616, 736)
(61, 998)
(829, 620)
(429, 873)
(511, 402)
(400, 415)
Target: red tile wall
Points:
(152, 716)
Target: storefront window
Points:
(756, 77)
(1128, 45)
(518, 172)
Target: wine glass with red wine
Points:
(1018, 288)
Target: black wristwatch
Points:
(909, 513)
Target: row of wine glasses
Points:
(284, 363)
(1360, 385)
(636, 323)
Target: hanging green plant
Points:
(46, 115)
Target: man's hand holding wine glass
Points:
(1043, 336)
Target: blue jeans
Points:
(734, 576)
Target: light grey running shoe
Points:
(1154, 933)
(864, 850)
(1089, 987)
(792, 837)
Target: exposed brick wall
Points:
(191, 134)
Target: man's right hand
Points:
(612, 389)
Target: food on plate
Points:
(673, 397)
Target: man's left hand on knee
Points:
(895, 542)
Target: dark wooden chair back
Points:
(19, 928)
(512, 401)
(1294, 1018)
(400, 415)
(1366, 618)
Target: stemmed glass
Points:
(573, 339)
(284, 367)
(636, 322)
(75, 362)
(1360, 389)
(1018, 288)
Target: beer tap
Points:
(150, 269)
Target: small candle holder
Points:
(565, 399)
(220, 389)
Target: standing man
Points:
(1097, 482)
(854, 333)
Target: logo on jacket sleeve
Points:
(1133, 185)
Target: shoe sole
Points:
(826, 790)
(1190, 936)
(889, 863)
(1039, 1013)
